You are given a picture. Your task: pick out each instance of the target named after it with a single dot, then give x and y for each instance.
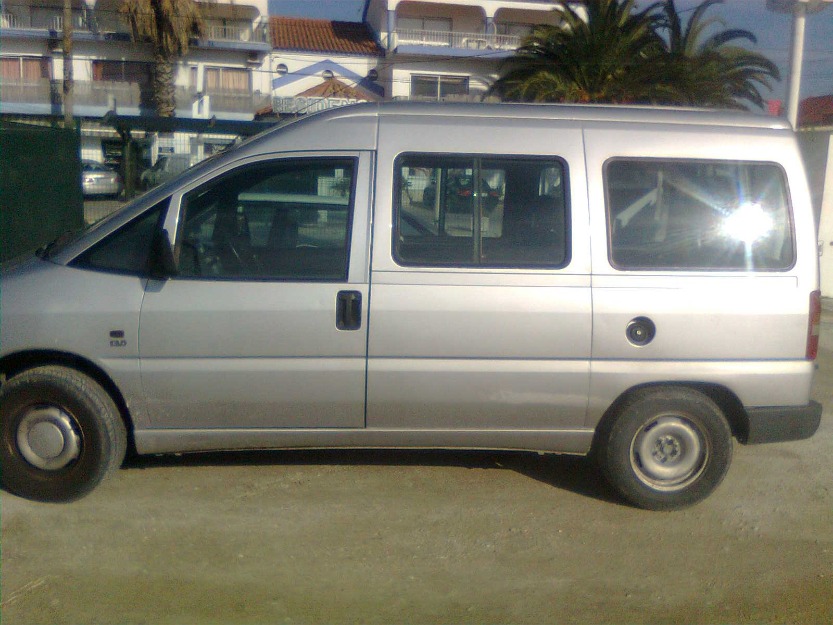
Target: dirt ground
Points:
(426, 537)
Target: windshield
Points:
(63, 240)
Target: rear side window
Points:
(470, 211)
(689, 215)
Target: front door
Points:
(265, 325)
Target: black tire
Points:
(61, 434)
(665, 448)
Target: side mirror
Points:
(162, 265)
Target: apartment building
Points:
(220, 78)
(317, 64)
(450, 49)
(248, 62)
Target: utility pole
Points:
(796, 62)
(799, 10)
(69, 122)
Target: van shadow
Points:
(570, 473)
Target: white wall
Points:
(822, 188)
(481, 74)
(91, 149)
(300, 63)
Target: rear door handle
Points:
(349, 310)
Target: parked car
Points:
(98, 179)
(165, 168)
(648, 294)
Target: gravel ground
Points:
(426, 537)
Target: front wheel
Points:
(61, 434)
(665, 448)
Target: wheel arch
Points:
(18, 362)
(726, 400)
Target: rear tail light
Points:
(814, 325)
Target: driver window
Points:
(283, 220)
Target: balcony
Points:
(42, 91)
(240, 32)
(9, 20)
(452, 39)
(79, 22)
(46, 19)
(226, 34)
(233, 103)
(94, 99)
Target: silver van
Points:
(637, 284)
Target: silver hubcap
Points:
(47, 439)
(669, 453)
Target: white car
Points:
(97, 179)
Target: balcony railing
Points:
(453, 39)
(44, 20)
(124, 95)
(239, 32)
(228, 101)
(295, 105)
(111, 22)
(85, 93)
(458, 97)
(42, 91)
(79, 21)
(9, 20)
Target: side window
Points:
(684, 215)
(480, 212)
(282, 220)
(127, 249)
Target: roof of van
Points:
(577, 112)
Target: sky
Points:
(772, 30)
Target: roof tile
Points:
(308, 35)
(817, 111)
(333, 88)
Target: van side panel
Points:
(742, 329)
(487, 355)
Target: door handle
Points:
(349, 310)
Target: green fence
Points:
(40, 190)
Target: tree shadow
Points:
(570, 473)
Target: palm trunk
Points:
(164, 93)
(67, 50)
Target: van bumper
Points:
(774, 424)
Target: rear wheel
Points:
(665, 448)
(61, 434)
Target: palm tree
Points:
(618, 55)
(69, 122)
(705, 69)
(603, 58)
(169, 26)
